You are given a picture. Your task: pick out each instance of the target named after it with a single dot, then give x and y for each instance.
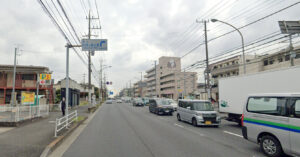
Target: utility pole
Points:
(83, 78)
(89, 55)
(155, 78)
(13, 95)
(184, 92)
(100, 87)
(207, 62)
(291, 50)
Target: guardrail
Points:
(19, 113)
(64, 122)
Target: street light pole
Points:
(243, 49)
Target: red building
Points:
(26, 80)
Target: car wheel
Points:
(271, 146)
(178, 117)
(194, 122)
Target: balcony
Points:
(225, 69)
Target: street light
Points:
(244, 63)
(101, 78)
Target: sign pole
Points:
(37, 93)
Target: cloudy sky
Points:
(138, 32)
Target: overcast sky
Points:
(138, 32)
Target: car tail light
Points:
(242, 120)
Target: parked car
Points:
(197, 112)
(109, 101)
(146, 101)
(173, 103)
(273, 121)
(160, 106)
(138, 102)
(119, 101)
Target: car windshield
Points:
(202, 106)
(163, 102)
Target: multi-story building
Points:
(254, 63)
(167, 80)
(140, 89)
(280, 59)
(226, 68)
(26, 80)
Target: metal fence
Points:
(64, 122)
(20, 113)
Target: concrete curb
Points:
(50, 147)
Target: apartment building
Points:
(254, 63)
(26, 80)
(277, 60)
(226, 68)
(140, 89)
(167, 80)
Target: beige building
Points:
(280, 59)
(254, 63)
(140, 89)
(167, 80)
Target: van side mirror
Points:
(189, 108)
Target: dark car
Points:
(160, 106)
(138, 102)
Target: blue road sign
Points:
(94, 44)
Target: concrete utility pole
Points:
(155, 78)
(89, 56)
(184, 84)
(67, 83)
(291, 51)
(207, 62)
(100, 87)
(13, 97)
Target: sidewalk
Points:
(31, 139)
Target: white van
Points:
(273, 121)
(197, 112)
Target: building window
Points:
(215, 67)
(280, 59)
(287, 57)
(233, 63)
(247, 60)
(266, 62)
(271, 62)
(221, 75)
(28, 77)
(297, 55)
(233, 73)
(227, 64)
(221, 66)
(228, 74)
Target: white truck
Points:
(233, 91)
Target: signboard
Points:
(111, 93)
(27, 98)
(45, 79)
(289, 27)
(94, 44)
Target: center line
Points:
(227, 132)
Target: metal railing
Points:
(20, 113)
(64, 122)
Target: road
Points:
(123, 130)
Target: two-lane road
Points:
(123, 130)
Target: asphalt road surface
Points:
(121, 130)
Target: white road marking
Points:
(52, 122)
(227, 132)
(178, 125)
